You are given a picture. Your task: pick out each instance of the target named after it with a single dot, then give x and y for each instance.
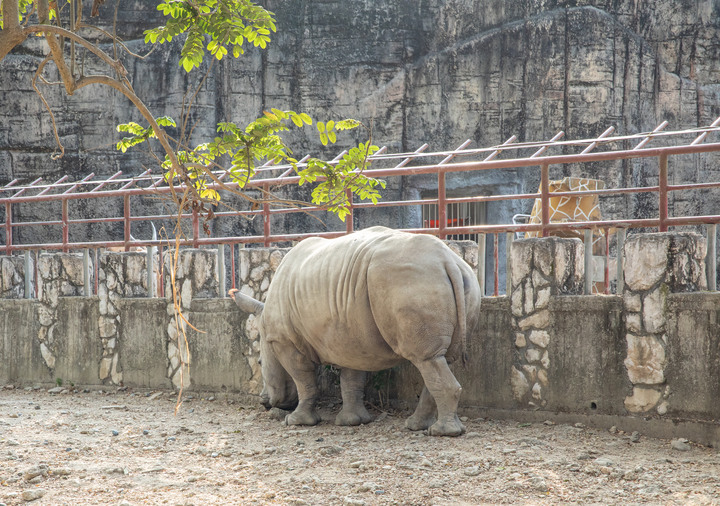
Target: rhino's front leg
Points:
(445, 389)
(302, 371)
(425, 414)
(352, 386)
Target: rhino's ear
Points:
(246, 303)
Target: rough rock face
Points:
(432, 71)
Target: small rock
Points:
(37, 406)
(635, 437)
(56, 390)
(115, 433)
(472, 435)
(367, 487)
(33, 494)
(604, 462)
(382, 416)
(41, 470)
(539, 484)
(154, 396)
(351, 501)
(680, 445)
(472, 471)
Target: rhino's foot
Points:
(451, 427)
(353, 417)
(417, 422)
(302, 418)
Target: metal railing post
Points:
(481, 263)
(508, 265)
(442, 206)
(195, 228)
(620, 238)
(8, 228)
(87, 287)
(221, 270)
(496, 281)
(126, 221)
(150, 268)
(588, 261)
(663, 184)
(29, 272)
(544, 198)
(711, 257)
(266, 215)
(351, 216)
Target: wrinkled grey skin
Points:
(366, 302)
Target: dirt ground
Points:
(127, 448)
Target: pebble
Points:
(56, 390)
(41, 470)
(473, 434)
(635, 437)
(680, 445)
(472, 471)
(115, 433)
(604, 462)
(32, 495)
(351, 501)
(368, 486)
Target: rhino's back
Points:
(350, 301)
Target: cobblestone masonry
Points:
(12, 277)
(541, 268)
(655, 265)
(196, 277)
(59, 275)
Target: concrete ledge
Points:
(705, 432)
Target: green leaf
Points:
(321, 127)
(331, 137)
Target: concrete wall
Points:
(648, 359)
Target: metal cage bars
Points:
(508, 155)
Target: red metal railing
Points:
(508, 155)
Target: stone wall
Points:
(436, 71)
(648, 359)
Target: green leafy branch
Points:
(260, 142)
(215, 26)
(140, 134)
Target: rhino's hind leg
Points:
(445, 389)
(352, 386)
(302, 371)
(425, 414)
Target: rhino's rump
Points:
(365, 302)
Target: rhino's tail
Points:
(461, 330)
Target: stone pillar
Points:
(60, 274)
(120, 274)
(655, 265)
(540, 268)
(12, 277)
(196, 277)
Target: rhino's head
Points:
(279, 389)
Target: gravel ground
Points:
(126, 448)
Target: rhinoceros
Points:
(366, 302)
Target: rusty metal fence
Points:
(442, 214)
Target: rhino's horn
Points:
(247, 304)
